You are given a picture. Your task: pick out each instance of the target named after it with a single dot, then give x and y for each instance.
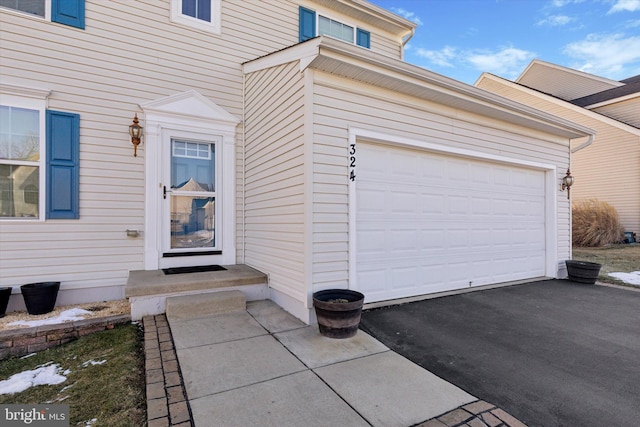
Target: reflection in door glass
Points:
(193, 166)
(192, 222)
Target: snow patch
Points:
(70, 315)
(632, 278)
(94, 363)
(46, 374)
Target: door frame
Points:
(374, 137)
(187, 114)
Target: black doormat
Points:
(196, 269)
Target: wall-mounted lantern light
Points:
(135, 130)
(567, 182)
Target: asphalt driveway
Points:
(552, 353)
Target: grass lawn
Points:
(614, 258)
(104, 378)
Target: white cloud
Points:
(605, 54)
(507, 62)
(556, 20)
(562, 3)
(443, 57)
(411, 16)
(625, 6)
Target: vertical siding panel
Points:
(274, 177)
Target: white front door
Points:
(190, 196)
(189, 151)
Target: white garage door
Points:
(429, 222)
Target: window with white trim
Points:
(66, 12)
(21, 153)
(312, 24)
(333, 28)
(32, 7)
(200, 14)
(39, 157)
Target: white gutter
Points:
(405, 41)
(584, 145)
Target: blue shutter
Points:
(63, 164)
(307, 24)
(363, 38)
(68, 12)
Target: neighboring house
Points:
(609, 168)
(285, 135)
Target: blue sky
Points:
(463, 38)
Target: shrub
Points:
(595, 223)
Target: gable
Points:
(192, 104)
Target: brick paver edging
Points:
(18, 342)
(475, 414)
(167, 404)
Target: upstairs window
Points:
(203, 15)
(313, 24)
(335, 29)
(67, 12)
(199, 9)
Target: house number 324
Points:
(352, 162)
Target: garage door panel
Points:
(441, 223)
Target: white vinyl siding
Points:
(94, 73)
(340, 104)
(612, 146)
(274, 177)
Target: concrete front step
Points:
(200, 305)
(148, 291)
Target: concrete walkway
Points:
(263, 367)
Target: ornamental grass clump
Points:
(595, 223)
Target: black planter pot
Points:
(338, 312)
(40, 298)
(5, 294)
(583, 271)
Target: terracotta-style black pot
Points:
(40, 298)
(5, 294)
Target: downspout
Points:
(584, 145)
(244, 167)
(405, 41)
(588, 142)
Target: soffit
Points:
(561, 82)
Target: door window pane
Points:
(192, 222)
(192, 166)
